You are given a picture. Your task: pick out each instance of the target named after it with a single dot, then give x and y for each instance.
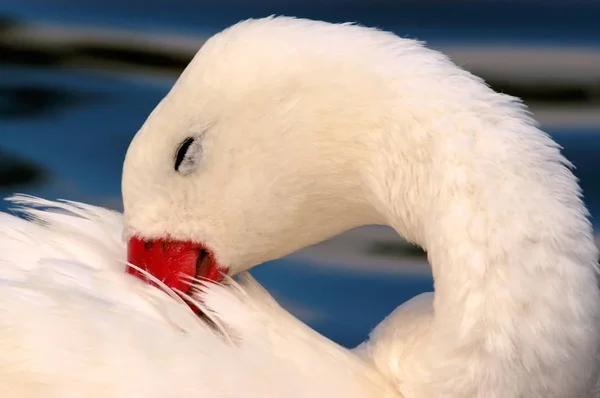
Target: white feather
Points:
(73, 324)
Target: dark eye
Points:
(188, 155)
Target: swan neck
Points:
(512, 255)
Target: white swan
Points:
(283, 132)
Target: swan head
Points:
(262, 147)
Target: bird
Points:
(279, 134)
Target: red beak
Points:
(172, 262)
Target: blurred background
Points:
(78, 78)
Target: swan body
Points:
(284, 132)
(73, 324)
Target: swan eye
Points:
(188, 155)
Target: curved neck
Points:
(512, 253)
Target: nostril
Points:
(201, 263)
(148, 245)
(202, 254)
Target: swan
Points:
(281, 133)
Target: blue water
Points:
(538, 22)
(348, 304)
(79, 134)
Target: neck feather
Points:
(494, 204)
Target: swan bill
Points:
(177, 264)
